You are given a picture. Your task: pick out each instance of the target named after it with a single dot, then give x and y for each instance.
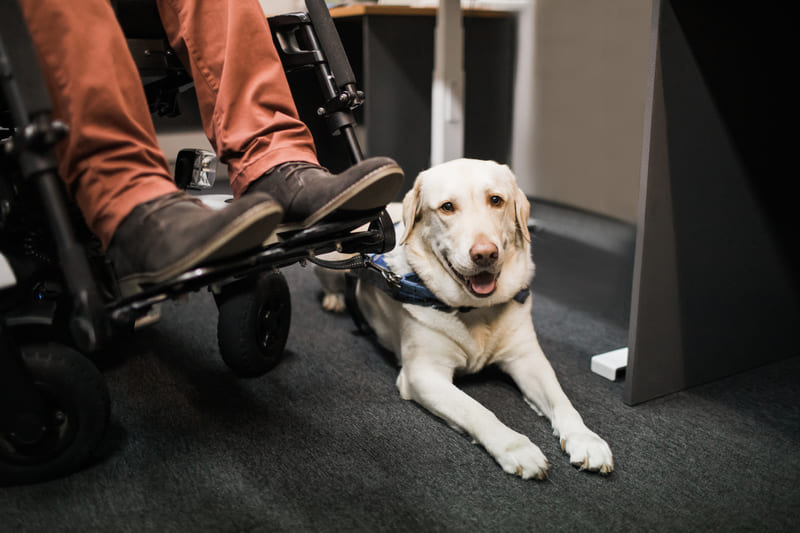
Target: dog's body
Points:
(465, 234)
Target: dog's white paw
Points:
(333, 302)
(587, 451)
(519, 456)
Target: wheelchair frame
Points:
(48, 427)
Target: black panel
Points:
(717, 287)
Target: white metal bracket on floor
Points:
(611, 365)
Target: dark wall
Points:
(716, 280)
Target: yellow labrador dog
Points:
(465, 234)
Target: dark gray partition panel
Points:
(391, 51)
(716, 268)
(395, 57)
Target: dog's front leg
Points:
(430, 384)
(536, 379)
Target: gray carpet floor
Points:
(324, 442)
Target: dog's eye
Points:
(448, 207)
(496, 201)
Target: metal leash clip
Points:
(363, 266)
(393, 281)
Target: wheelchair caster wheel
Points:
(254, 318)
(78, 409)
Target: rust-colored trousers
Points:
(111, 162)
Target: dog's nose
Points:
(483, 253)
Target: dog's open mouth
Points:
(481, 284)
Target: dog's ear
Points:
(411, 209)
(523, 211)
(522, 207)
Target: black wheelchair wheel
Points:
(254, 318)
(78, 409)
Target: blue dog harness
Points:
(408, 288)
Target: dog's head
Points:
(466, 233)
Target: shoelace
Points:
(161, 202)
(291, 168)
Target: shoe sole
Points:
(373, 191)
(244, 233)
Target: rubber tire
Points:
(71, 385)
(254, 319)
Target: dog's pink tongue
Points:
(482, 283)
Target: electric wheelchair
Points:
(59, 301)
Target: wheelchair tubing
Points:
(330, 42)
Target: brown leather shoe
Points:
(308, 193)
(173, 233)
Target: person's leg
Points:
(250, 118)
(245, 103)
(110, 161)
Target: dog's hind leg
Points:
(333, 287)
(333, 284)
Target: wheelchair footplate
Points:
(290, 247)
(251, 294)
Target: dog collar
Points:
(409, 288)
